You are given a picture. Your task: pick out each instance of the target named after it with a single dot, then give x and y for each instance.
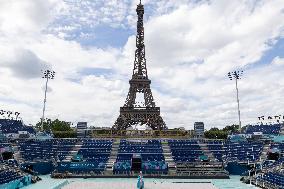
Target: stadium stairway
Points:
(17, 153)
(265, 149)
(112, 157)
(169, 158)
(199, 168)
(74, 151)
(206, 151)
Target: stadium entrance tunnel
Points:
(7, 155)
(136, 163)
(273, 154)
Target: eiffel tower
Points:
(132, 112)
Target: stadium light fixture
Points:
(236, 75)
(17, 115)
(9, 113)
(274, 118)
(47, 74)
(277, 117)
(261, 118)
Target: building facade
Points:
(199, 129)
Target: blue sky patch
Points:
(276, 50)
(97, 71)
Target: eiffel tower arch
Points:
(133, 113)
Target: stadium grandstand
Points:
(272, 129)
(16, 129)
(258, 160)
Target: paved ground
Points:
(132, 185)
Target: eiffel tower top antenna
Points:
(140, 70)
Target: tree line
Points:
(60, 129)
(216, 133)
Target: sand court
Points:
(132, 185)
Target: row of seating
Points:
(145, 157)
(154, 167)
(151, 146)
(8, 174)
(273, 178)
(4, 144)
(216, 147)
(81, 167)
(96, 153)
(190, 151)
(56, 149)
(185, 150)
(272, 129)
(269, 164)
(14, 126)
(243, 151)
(279, 146)
(122, 167)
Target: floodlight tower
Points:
(17, 115)
(47, 74)
(236, 75)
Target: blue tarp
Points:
(237, 138)
(77, 158)
(19, 183)
(279, 138)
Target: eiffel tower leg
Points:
(118, 123)
(122, 123)
(149, 100)
(156, 122)
(131, 96)
(161, 123)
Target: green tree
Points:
(215, 133)
(55, 125)
(60, 129)
(231, 129)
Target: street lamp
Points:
(47, 74)
(236, 75)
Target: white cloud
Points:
(215, 32)
(278, 61)
(24, 17)
(190, 47)
(25, 64)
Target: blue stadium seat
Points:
(185, 150)
(151, 152)
(56, 149)
(7, 175)
(13, 126)
(243, 151)
(272, 129)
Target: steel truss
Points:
(147, 113)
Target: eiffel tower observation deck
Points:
(134, 112)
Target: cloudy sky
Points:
(191, 45)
